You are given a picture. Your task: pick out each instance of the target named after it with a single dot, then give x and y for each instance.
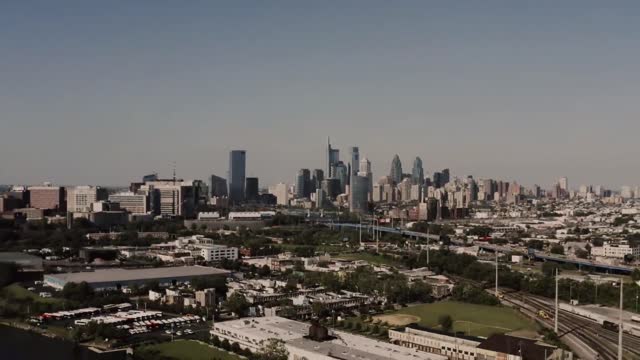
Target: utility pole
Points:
(555, 326)
(428, 251)
(620, 324)
(496, 272)
(360, 227)
(377, 236)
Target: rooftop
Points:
(343, 346)
(105, 275)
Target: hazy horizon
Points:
(102, 93)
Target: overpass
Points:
(385, 229)
(580, 263)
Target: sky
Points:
(102, 92)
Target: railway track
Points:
(601, 340)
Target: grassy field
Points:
(191, 350)
(475, 320)
(372, 259)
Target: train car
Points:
(610, 325)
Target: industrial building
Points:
(497, 346)
(312, 342)
(104, 279)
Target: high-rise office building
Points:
(446, 177)
(218, 186)
(417, 172)
(365, 170)
(331, 188)
(131, 202)
(437, 179)
(342, 174)
(174, 197)
(236, 178)
(303, 181)
(404, 187)
(47, 197)
(564, 183)
(333, 156)
(281, 192)
(251, 189)
(354, 165)
(80, 198)
(316, 179)
(396, 169)
(358, 198)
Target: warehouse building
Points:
(105, 279)
(313, 342)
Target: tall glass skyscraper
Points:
(236, 176)
(303, 181)
(417, 173)
(355, 161)
(333, 156)
(396, 170)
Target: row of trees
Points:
(542, 284)
(394, 286)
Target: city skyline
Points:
(477, 88)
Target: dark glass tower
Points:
(236, 178)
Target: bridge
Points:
(580, 263)
(385, 229)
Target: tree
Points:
(264, 270)
(557, 249)
(635, 275)
(582, 254)
(8, 273)
(273, 349)
(549, 268)
(237, 304)
(80, 292)
(445, 322)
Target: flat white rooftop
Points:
(343, 346)
(115, 275)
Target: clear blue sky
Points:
(105, 91)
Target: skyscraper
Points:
(564, 184)
(236, 178)
(358, 198)
(365, 170)
(251, 189)
(417, 173)
(218, 186)
(303, 180)
(342, 174)
(333, 156)
(316, 179)
(281, 191)
(355, 161)
(446, 177)
(396, 170)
